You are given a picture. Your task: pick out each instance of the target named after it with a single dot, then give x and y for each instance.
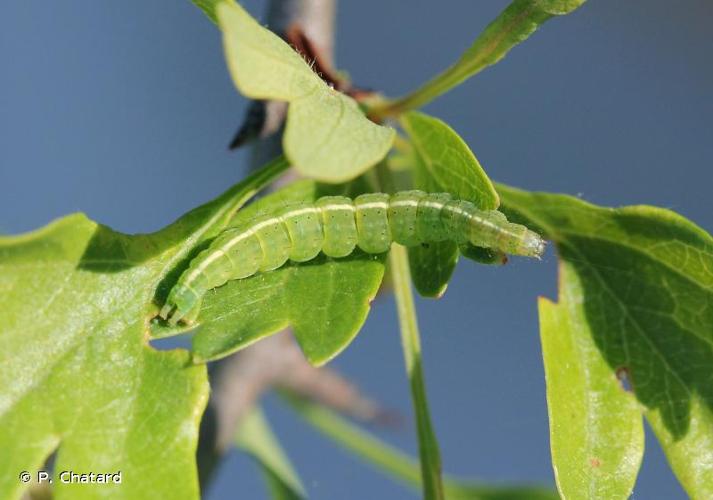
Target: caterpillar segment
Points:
(335, 226)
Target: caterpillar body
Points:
(336, 225)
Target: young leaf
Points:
(443, 163)
(514, 25)
(596, 429)
(325, 300)
(646, 278)
(327, 137)
(256, 438)
(77, 374)
(446, 163)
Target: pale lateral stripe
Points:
(240, 237)
(338, 206)
(404, 203)
(231, 243)
(440, 205)
(483, 222)
(375, 204)
(299, 211)
(433, 204)
(311, 209)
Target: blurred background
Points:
(124, 110)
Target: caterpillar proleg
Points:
(336, 225)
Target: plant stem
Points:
(518, 21)
(416, 99)
(411, 342)
(352, 438)
(398, 464)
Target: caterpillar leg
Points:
(189, 317)
(175, 314)
(166, 310)
(183, 303)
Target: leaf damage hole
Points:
(624, 377)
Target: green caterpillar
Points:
(336, 225)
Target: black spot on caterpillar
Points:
(335, 225)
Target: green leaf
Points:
(646, 278)
(256, 438)
(432, 266)
(77, 373)
(483, 255)
(208, 8)
(443, 163)
(514, 25)
(397, 464)
(327, 137)
(325, 300)
(596, 429)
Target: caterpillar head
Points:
(532, 245)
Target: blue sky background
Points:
(123, 110)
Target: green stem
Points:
(363, 444)
(411, 342)
(440, 84)
(513, 25)
(398, 464)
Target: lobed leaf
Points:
(645, 277)
(325, 301)
(442, 162)
(327, 136)
(78, 376)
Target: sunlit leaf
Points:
(78, 376)
(596, 428)
(327, 137)
(646, 292)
